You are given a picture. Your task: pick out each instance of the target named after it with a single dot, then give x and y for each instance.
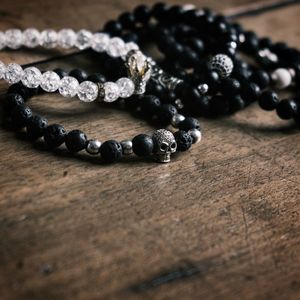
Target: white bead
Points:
(2, 69)
(83, 39)
(2, 40)
(116, 47)
(282, 78)
(66, 38)
(31, 38)
(48, 38)
(14, 38)
(13, 73)
(87, 91)
(93, 147)
(68, 86)
(50, 81)
(32, 77)
(111, 91)
(126, 87)
(100, 42)
(196, 135)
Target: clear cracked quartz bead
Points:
(111, 91)
(31, 37)
(48, 38)
(68, 87)
(13, 73)
(50, 81)
(100, 42)
(87, 91)
(126, 87)
(31, 77)
(14, 38)
(2, 69)
(116, 47)
(83, 39)
(2, 40)
(66, 38)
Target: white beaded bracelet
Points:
(138, 65)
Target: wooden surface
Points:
(218, 222)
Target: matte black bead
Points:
(230, 86)
(54, 135)
(236, 103)
(20, 115)
(79, 74)
(36, 127)
(75, 141)
(261, 78)
(268, 100)
(113, 27)
(97, 78)
(60, 72)
(165, 113)
(189, 123)
(12, 100)
(111, 151)
(149, 105)
(142, 13)
(183, 139)
(127, 20)
(250, 91)
(287, 109)
(142, 145)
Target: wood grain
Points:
(219, 222)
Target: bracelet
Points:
(161, 144)
(138, 67)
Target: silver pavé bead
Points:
(127, 147)
(176, 119)
(196, 135)
(222, 64)
(93, 147)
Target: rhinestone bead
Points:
(2, 40)
(13, 73)
(50, 81)
(48, 38)
(88, 91)
(68, 87)
(116, 47)
(83, 39)
(100, 42)
(2, 69)
(126, 87)
(31, 77)
(111, 91)
(66, 38)
(31, 38)
(93, 147)
(14, 38)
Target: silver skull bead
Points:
(164, 145)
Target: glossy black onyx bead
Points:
(236, 103)
(261, 78)
(219, 105)
(36, 127)
(60, 72)
(268, 100)
(183, 139)
(12, 100)
(250, 91)
(20, 116)
(97, 78)
(79, 74)
(142, 145)
(166, 113)
(230, 87)
(113, 27)
(189, 123)
(54, 135)
(75, 141)
(287, 109)
(127, 19)
(142, 13)
(111, 151)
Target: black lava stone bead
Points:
(36, 127)
(20, 115)
(183, 139)
(165, 113)
(12, 100)
(75, 141)
(149, 105)
(54, 135)
(111, 151)
(142, 145)
(268, 100)
(287, 109)
(189, 123)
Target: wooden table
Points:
(219, 222)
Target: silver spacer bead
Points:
(203, 88)
(176, 119)
(93, 147)
(196, 135)
(222, 64)
(127, 147)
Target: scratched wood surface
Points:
(219, 222)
